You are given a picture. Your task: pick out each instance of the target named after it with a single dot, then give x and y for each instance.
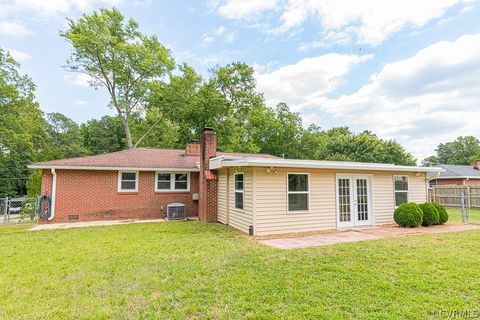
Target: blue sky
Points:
(407, 70)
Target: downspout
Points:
(54, 193)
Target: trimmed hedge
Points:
(442, 213)
(430, 214)
(408, 215)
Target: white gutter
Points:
(225, 161)
(54, 194)
(49, 166)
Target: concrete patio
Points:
(363, 234)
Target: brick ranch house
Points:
(456, 175)
(255, 193)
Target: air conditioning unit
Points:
(176, 211)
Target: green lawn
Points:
(456, 215)
(195, 271)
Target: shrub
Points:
(408, 215)
(442, 213)
(430, 214)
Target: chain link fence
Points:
(17, 210)
(465, 199)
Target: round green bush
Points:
(408, 215)
(442, 213)
(430, 214)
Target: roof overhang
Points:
(459, 177)
(225, 162)
(97, 168)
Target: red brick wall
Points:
(192, 148)
(208, 183)
(461, 182)
(93, 195)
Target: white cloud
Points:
(13, 29)
(78, 79)
(328, 40)
(19, 56)
(429, 98)
(370, 21)
(236, 9)
(51, 7)
(80, 103)
(229, 37)
(217, 33)
(303, 83)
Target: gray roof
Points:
(457, 171)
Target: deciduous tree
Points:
(117, 56)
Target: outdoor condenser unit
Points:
(176, 211)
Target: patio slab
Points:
(356, 235)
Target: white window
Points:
(128, 181)
(432, 183)
(298, 192)
(400, 184)
(172, 181)
(239, 191)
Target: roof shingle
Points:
(141, 158)
(459, 171)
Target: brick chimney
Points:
(207, 203)
(192, 148)
(476, 165)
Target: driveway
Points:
(355, 235)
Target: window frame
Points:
(298, 192)
(400, 191)
(119, 181)
(235, 191)
(172, 181)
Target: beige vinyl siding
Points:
(239, 219)
(270, 189)
(417, 188)
(222, 196)
(271, 214)
(384, 195)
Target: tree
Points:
(117, 56)
(103, 135)
(340, 144)
(463, 150)
(21, 127)
(65, 136)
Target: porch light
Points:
(271, 170)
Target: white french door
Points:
(354, 200)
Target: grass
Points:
(455, 214)
(197, 271)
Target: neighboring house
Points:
(255, 193)
(456, 175)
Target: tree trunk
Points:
(128, 134)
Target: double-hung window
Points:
(128, 181)
(400, 184)
(298, 192)
(239, 191)
(172, 181)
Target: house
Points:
(456, 175)
(256, 193)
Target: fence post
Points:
(433, 194)
(5, 210)
(462, 203)
(469, 204)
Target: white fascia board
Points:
(221, 162)
(44, 166)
